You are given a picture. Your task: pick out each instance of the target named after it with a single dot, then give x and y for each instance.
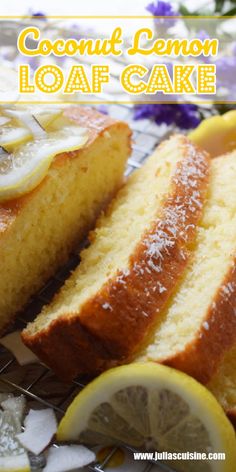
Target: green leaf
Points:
(219, 4)
(184, 10)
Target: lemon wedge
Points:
(150, 406)
(24, 169)
(216, 134)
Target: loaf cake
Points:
(223, 384)
(39, 230)
(199, 324)
(138, 254)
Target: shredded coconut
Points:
(107, 306)
(205, 325)
(144, 313)
(161, 287)
(228, 288)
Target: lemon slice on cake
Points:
(47, 117)
(24, 169)
(11, 137)
(150, 406)
(43, 116)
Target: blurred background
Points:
(88, 7)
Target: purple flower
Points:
(202, 35)
(161, 8)
(185, 116)
(226, 69)
(233, 48)
(39, 15)
(103, 109)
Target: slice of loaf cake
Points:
(223, 384)
(39, 230)
(199, 324)
(138, 254)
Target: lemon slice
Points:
(59, 122)
(24, 169)
(4, 120)
(47, 118)
(11, 137)
(44, 117)
(48, 113)
(13, 457)
(150, 406)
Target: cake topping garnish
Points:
(29, 142)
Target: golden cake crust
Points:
(215, 336)
(95, 123)
(111, 326)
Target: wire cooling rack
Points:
(39, 385)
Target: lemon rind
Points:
(202, 404)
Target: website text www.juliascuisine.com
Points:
(177, 456)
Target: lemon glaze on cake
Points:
(38, 231)
(138, 253)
